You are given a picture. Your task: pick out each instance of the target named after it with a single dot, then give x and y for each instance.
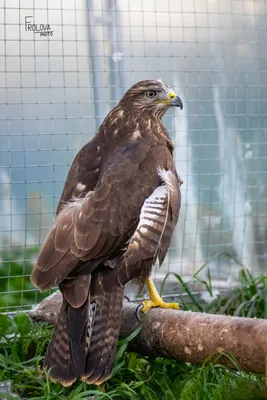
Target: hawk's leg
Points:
(155, 299)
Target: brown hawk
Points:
(116, 216)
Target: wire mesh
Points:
(64, 65)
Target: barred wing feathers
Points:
(158, 217)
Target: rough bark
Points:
(186, 336)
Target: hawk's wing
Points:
(93, 226)
(83, 174)
(152, 237)
(158, 218)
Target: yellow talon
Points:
(155, 299)
(147, 304)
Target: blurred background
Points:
(56, 87)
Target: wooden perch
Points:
(185, 336)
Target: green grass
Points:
(16, 289)
(134, 377)
(247, 299)
(23, 344)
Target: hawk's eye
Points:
(151, 93)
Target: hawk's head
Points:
(154, 96)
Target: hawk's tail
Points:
(106, 299)
(65, 356)
(84, 342)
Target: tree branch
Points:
(186, 336)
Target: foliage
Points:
(16, 289)
(247, 299)
(134, 377)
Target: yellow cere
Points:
(172, 95)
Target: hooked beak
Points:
(172, 100)
(175, 100)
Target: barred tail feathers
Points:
(84, 342)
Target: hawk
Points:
(115, 218)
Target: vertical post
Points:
(116, 52)
(95, 65)
(113, 36)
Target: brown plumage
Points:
(116, 216)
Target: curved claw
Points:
(137, 312)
